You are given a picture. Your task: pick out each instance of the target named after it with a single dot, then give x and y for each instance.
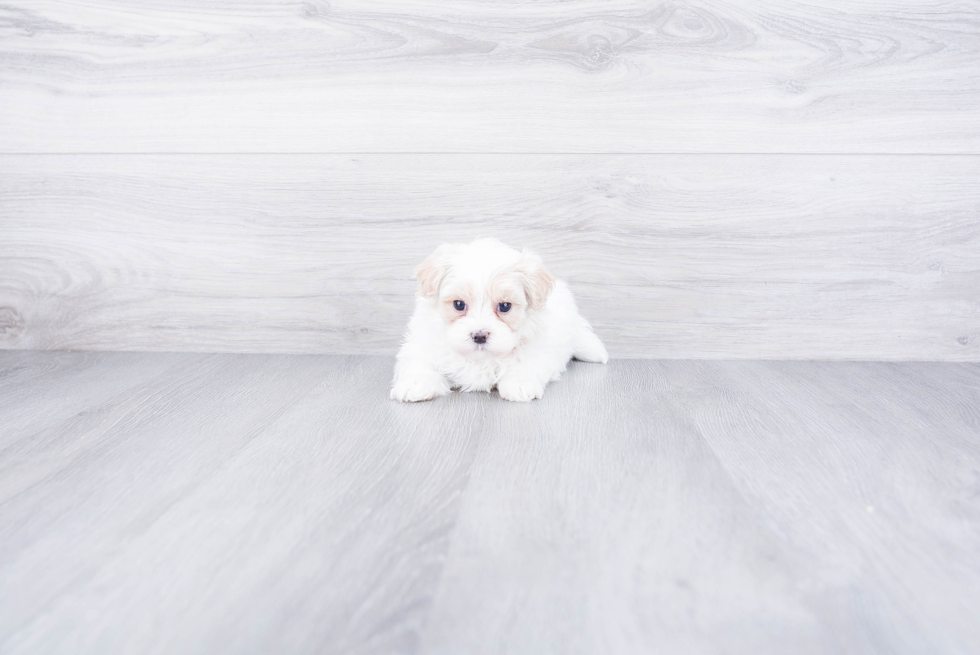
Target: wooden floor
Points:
(192, 503)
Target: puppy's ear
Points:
(538, 282)
(431, 272)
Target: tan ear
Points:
(431, 272)
(538, 282)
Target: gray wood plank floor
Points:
(201, 503)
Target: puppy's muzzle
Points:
(480, 337)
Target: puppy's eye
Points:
(459, 305)
(503, 307)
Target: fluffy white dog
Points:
(487, 315)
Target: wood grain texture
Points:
(599, 521)
(77, 388)
(255, 503)
(798, 257)
(252, 504)
(727, 507)
(851, 463)
(627, 76)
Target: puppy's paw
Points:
(413, 388)
(519, 388)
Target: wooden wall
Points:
(715, 179)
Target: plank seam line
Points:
(576, 154)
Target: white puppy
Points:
(487, 315)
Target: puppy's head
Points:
(484, 292)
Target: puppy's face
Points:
(484, 291)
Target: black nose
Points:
(480, 337)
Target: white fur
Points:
(439, 353)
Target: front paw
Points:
(415, 388)
(520, 389)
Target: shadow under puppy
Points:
(488, 316)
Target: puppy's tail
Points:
(588, 348)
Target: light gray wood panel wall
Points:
(471, 76)
(771, 256)
(717, 257)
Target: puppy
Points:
(489, 316)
